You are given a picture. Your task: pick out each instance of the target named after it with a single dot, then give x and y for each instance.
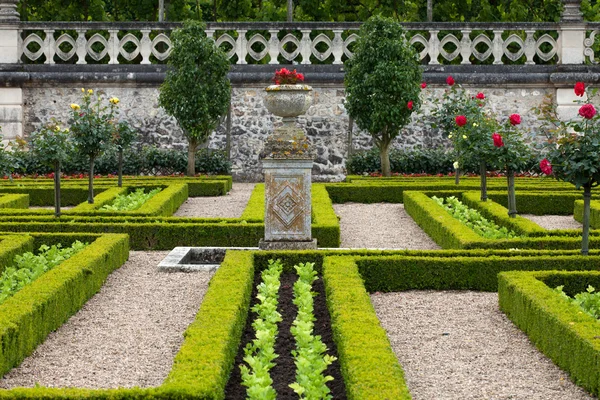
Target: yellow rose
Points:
(75, 106)
(449, 136)
(464, 136)
(57, 128)
(82, 90)
(90, 91)
(67, 130)
(114, 100)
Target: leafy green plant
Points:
(473, 219)
(28, 267)
(382, 83)
(92, 128)
(52, 146)
(309, 355)
(589, 300)
(196, 90)
(131, 201)
(260, 353)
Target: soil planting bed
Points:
(284, 372)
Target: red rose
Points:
(300, 77)
(546, 167)
(480, 96)
(450, 80)
(461, 120)
(410, 105)
(497, 140)
(579, 89)
(587, 111)
(515, 119)
(423, 85)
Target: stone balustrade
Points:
(310, 43)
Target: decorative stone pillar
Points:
(287, 165)
(572, 33)
(11, 99)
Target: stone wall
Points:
(326, 122)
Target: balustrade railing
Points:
(301, 43)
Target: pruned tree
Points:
(196, 90)
(382, 83)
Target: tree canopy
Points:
(304, 10)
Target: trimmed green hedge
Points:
(594, 213)
(10, 246)
(45, 304)
(14, 201)
(450, 233)
(568, 336)
(369, 366)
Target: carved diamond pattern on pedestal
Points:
(287, 205)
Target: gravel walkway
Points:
(460, 346)
(126, 335)
(554, 221)
(229, 206)
(382, 226)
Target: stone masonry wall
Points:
(326, 122)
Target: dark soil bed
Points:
(284, 372)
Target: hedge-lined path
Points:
(382, 226)
(554, 221)
(126, 335)
(459, 345)
(229, 206)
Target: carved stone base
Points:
(287, 200)
(264, 245)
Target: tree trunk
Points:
(120, 179)
(483, 177)
(457, 176)
(290, 10)
(191, 167)
(91, 182)
(512, 200)
(429, 10)
(585, 243)
(57, 189)
(228, 134)
(384, 155)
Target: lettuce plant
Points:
(309, 356)
(260, 353)
(130, 202)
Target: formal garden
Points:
(456, 258)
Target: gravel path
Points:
(459, 345)
(554, 221)
(126, 335)
(382, 226)
(229, 206)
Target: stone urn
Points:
(288, 102)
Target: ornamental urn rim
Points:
(285, 87)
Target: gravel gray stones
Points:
(554, 221)
(126, 335)
(383, 226)
(460, 346)
(229, 206)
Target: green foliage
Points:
(124, 135)
(260, 352)
(515, 155)
(196, 90)
(473, 219)
(51, 144)
(589, 300)
(132, 201)
(92, 124)
(28, 267)
(381, 79)
(406, 161)
(309, 356)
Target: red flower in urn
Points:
(286, 77)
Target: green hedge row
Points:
(44, 305)
(369, 366)
(14, 201)
(558, 328)
(11, 245)
(450, 233)
(594, 213)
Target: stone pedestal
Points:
(287, 204)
